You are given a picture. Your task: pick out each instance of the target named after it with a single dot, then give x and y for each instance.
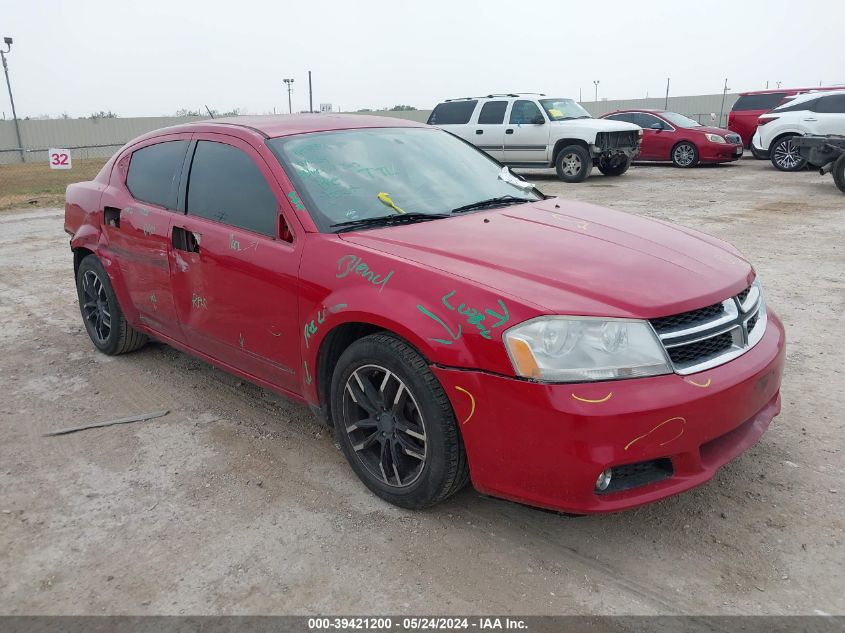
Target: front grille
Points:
(733, 138)
(701, 349)
(617, 140)
(686, 318)
(706, 337)
(639, 474)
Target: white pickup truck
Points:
(527, 130)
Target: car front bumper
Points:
(720, 152)
(545, 445)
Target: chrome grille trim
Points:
(733, 138)
(737, 312)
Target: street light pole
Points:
(596, 83)
(8, 42)
(722, 109)
(289, 83)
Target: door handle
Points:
(811, 119)
(479, 131)
(185, 240)
(509, 131)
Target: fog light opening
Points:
(604, 480)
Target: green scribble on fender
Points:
(295, 201)
(473, 316)
(313, 326)
(352, 264)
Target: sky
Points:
(154, 57)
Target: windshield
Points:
(371, 173)
(564, 109)
(679, 120)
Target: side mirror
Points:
(656, 126)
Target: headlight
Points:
(577, 349)
(715, 138)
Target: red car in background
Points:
(750, 105)
(684, 141)
(450, 321)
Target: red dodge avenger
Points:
(448, 320)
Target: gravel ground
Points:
(239, 502)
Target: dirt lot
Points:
(240, 502)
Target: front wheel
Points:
(785, 155)
(610, 168)
(573, 163)
(839, 173)
(395, 424)
(107, 327)
(685, 155)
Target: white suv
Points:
(527, 130)
(816, 113)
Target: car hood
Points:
(568, 257)
(596, 125)
(711, 130)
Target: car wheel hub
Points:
(572, 164)
(95, 306)
(684, 154)
(786, 155)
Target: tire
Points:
(573, 163)
(614, 170)
(104, 321)
(385, 451)
(838, 172)
(785, 156)
(684, 155)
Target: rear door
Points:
(139, 207)
(830, 114)
(526, 134)
(235, 261)
(489, 128)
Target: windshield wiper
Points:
(501, 201)
(386, 220)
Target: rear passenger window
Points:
(833, 103)
(227, 186)
(758, 102)
(452, 112)
(493, 113)
(154, 171)
(526, 112)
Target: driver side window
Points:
(526, 113)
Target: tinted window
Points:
(833, 103)
(452, 113)
(493, 113)
(625, 117)
(645, 121)
(525, 112)
(227, 186)
(758, 102)
(797, 107)
(153, 173)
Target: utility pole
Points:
(289, 83)
(666, 101)
(596, 83)
(580, 96)
(722, 109)
(8, 42)
(778, 83)
(310, 94)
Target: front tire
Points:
(684, 155)
(614, 169)
(573, 163)
(104, 321)
(395, 424)
(785, 156)
(838, 172)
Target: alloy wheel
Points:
(571, 164)
(95, 307)
(384, 425)
(786, 155)
(684, 154)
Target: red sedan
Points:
(669, 136)
(448, 320)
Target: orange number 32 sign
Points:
(59, 158)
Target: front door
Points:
(658, 137)
(235, 262)
(138, 208)
(526, 134)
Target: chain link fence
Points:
(27, 178)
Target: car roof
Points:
(276, 125)
(787, 90)
(809, 96)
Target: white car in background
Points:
(816, 113)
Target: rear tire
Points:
(785, 156)
(104, 321)
(684, 155)
(838, 172)
(395, 424)
(614, 170)
(573, 163)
